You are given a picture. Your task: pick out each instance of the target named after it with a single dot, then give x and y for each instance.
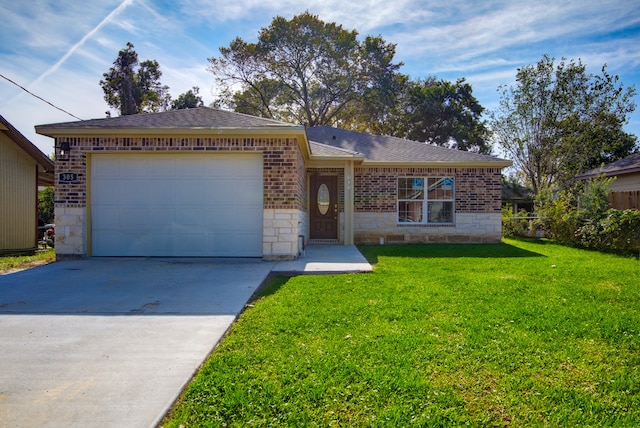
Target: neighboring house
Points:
(205, 182)
(625, 190)
(519, 197)
(23, 167)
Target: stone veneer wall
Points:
(478, 193)
(283, 228)
(283, 180)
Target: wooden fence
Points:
(625, 200)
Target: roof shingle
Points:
(380, 148)
(201, 117)
(627, 165)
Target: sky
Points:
(59, 50)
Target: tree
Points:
(559, 121)
(46, 204)
(134, 87)
(189, 99)
(445, 114)
(304, 71)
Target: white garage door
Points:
(176, 205)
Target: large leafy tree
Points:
(134, 87)
(306, 71)
(558, 121)
(190, 99)
(446, 114)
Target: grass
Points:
(513, 334)
(10, 263)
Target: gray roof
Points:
(201, 117)
(628, 165)
(319, 149)
(379, 148)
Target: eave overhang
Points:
(76, 131)
(439, 164)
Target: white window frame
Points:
(426, 203)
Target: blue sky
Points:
(59, 50)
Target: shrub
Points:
(620, 232)
(514, 225)
(582, 218)
(557, 215)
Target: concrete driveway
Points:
(111, 342)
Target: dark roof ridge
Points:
(198, 117)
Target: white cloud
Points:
(109, 18)
(69, 44)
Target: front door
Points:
(324, 207)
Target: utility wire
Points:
(38, 97)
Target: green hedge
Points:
(618, 232)
(582, 218)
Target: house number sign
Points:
(67, 177)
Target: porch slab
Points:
(325, 259)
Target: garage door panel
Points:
(106, 191)
(239, 244)
(159, 217)
(131, 166)
(118, 244)
(189, 192)
(133, 192)
(246, 216)
(132, 219)
(221, 217)
(193, 218)
(190, 244)
(160, 192)
(161, 168)
(176, 205)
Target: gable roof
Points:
(201, 118)
(45, 173)
(627, 165)
(393, 150)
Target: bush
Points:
(514, 225)
(557, 215)
(582, 218)
(619, 231)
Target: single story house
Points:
(23, 167)
(207, 182)
(519, 197)
(625, 190)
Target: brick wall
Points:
(477, 190)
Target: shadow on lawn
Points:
(269, 287)
(501, 250)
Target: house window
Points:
(425, 199)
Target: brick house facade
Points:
(358, 188)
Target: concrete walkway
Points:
(111, 342)
(325, 259)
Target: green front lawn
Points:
(519, 333)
